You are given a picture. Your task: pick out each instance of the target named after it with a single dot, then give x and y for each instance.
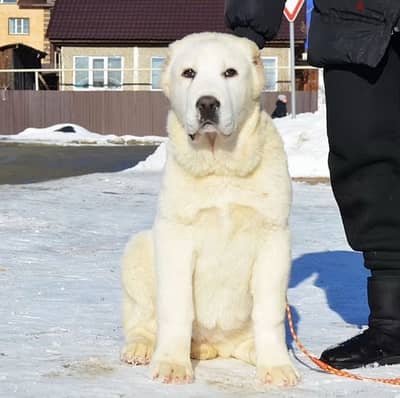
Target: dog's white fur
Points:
(210, 278)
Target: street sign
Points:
(292, 9)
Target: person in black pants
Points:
(358, 45)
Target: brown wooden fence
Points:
(127, 112)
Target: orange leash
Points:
(327, 368)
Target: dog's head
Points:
(213, 82)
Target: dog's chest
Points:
(220, 226)
(226, 240)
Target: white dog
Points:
(210, 278)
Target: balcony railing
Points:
(66, 78)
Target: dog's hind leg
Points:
(202, 351)
(140, 342)
(139, 300)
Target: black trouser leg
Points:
(363, 118)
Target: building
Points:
(23, 43)
(121, 44)
(44, 7)
(26, 22)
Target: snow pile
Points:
(80, 136)
(154, 162)
(305, 141)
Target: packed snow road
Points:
(60, 330)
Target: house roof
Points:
(143, 21)
(35, 3)
(23, 47)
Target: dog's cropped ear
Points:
(258, 75)
(165, 72)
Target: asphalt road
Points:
(28, 163)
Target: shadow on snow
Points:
(342, 277)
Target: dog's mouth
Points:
(208, 126)
(208, 129)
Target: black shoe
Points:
(369, 347)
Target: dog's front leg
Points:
(174, 269)
(269, 285)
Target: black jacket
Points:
(341, 31)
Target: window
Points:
(156, 66)
(114, 75)
(98, 73)
(8, 1)
(271, 73)
(18, 26)
(81, 78)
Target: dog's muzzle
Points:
(208, 117)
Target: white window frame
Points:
(8, 2)
(90, 71)
(18, 21)
(151, 71)
(275, 58)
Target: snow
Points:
(306, 143)
(81, 136)
(154, 162)
(60, 332)
(60, 247)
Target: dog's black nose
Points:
(208, 106)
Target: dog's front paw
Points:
(138, 352)
(281, 376)
(173, 373)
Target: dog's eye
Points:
(189, 73)
(230, 72)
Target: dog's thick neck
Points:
(237, 156)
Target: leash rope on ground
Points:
(327, 368)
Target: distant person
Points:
(280, 107)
